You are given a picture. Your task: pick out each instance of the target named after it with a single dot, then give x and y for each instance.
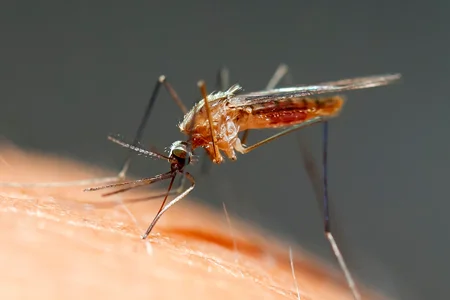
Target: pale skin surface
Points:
(62, 243)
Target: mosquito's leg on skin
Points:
(217, 157)
(170, 204)
(326, 212)
(321, 191)
(161, 207)
(242, 149)
(279, 74)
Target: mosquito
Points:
(215, 121)
(214, 124)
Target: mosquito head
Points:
(180, 151)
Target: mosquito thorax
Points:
(179, 151)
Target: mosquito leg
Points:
(170, 204)
(217, 156)
(173, 94)
(279, 74)
(326, 212)
(239, 147)
(140, 131)
(223, 79)
(323, 200)
(222, 84)
(160, 208)
(244, 136)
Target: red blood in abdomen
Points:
(286, 117)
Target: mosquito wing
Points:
(310, 90)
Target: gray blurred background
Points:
(73, 73)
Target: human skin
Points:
(63, 243)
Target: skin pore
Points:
(62, 243)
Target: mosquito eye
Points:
(179, 152)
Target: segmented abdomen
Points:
(289, 111)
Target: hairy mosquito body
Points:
(231, 117)
(215, 121)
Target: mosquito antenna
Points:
(139, 150)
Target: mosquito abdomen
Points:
(290, 111)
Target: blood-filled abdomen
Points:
(288, 112)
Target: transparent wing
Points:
(309, 90)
